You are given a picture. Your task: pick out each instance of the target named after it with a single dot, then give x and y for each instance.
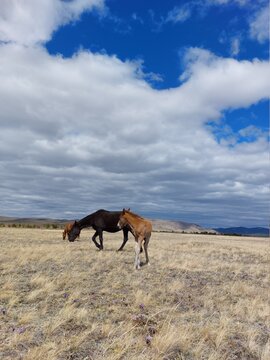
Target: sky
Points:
(160, 106)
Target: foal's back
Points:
(142, 226)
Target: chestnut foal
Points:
(141, 230)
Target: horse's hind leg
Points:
(100, 239)
(94, 239)
(138, 246)
(145, 245)
(125, 232)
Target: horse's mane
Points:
(133, 214)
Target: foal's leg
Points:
(138, 246)
(137, 256)
(145, 245)
(94, 239)
(125, 232)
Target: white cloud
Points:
(259, 25)
(29, 21)
(137, 18)
(87, 132)
(222, 83)
(251, 132)
(179, 14)
(225, 2)
(235, 46)
(83, 133)
(233, 42)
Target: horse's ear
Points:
(123, 211)
(128, 209)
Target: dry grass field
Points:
(202, 297)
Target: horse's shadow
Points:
(113, 250)
(142, 264)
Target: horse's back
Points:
(107, 220)
(149, 228)
(100, 217)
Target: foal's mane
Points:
(133, 215)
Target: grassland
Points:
(202, 297)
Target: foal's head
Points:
(122, 219)
(74, 232)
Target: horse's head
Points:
(74, 232)
(122, 219)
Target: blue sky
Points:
(161, 106)
(152, 32)
(157, 33)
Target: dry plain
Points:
(202, 297)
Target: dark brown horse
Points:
(101, 220)
(141, 230)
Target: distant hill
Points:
(158, 225)
(257, 231)
(35, 222)
(179, 226)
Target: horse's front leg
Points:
(94, 240)
(125, 232)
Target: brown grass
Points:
(202, 297)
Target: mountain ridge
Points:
(160, 225)
(241, 230)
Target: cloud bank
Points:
(87, 132)
(30, 22)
